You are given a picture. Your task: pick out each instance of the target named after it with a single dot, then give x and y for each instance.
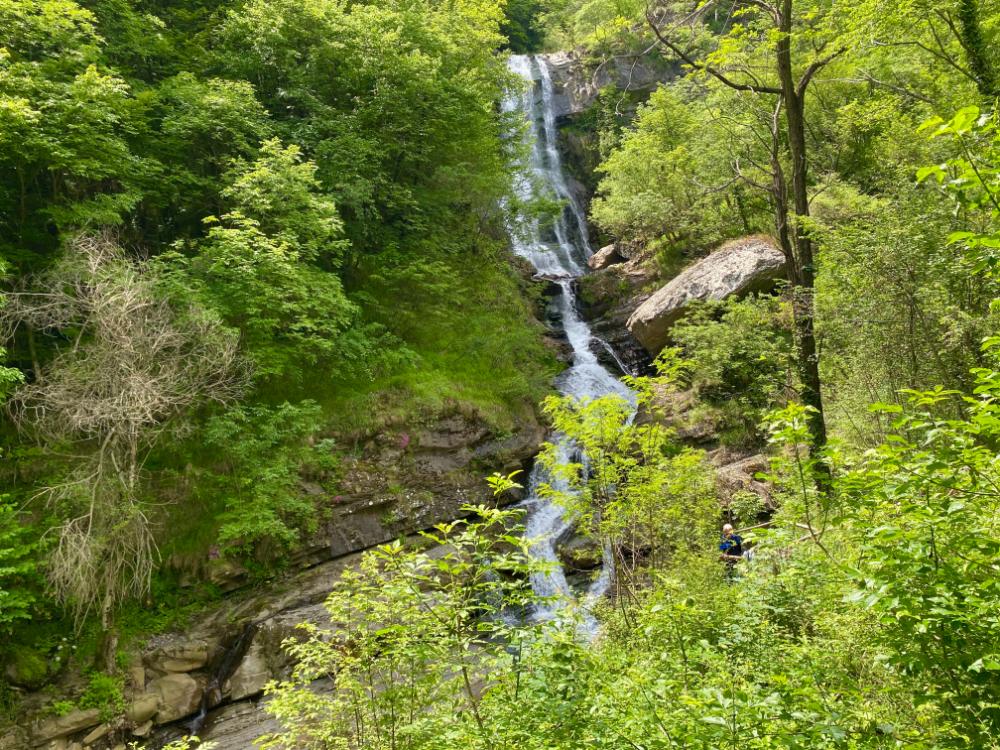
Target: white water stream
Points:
(558, 250)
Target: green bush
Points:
(105, 693)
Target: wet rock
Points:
(737, 268)
(579, 553)
(251, 675)
(608, 298)
(62, 726)
(604, 258)
(179, 695)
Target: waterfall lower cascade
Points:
(558, 250)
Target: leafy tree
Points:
(796, 52)
(926, 508)
(280, 191)
(259, 453)
(21, 580)
(415, 633)
(67, 162)
(647, 190)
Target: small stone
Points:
(143, 729)
(96, 734)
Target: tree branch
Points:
(715, 72)
(813, 69)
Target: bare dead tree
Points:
(131, 365)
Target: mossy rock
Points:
(28, 669)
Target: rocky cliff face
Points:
(609, 295)
(578, 80)
(209, 677)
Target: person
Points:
(731, 545)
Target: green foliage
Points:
(632, 487)
(601, 25)
(105, 693)
(62, 707)
(926, 505)
(741, 358)
(522, 25)
(746, 507)
(415, 632)
(290, 313)
(260, 455)
(647, 190)
(401, 126)
(280, 191)
(973, 182)
(21, 581)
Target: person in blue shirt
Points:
(731, 545)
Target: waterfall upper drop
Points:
(558, 249)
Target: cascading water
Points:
(558, 251)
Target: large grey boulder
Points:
(604, 258)
(179, 695)
(737, 268)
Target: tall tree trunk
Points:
(802, 274)
(106, 658)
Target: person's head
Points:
(727, 530)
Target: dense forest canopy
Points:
(230, 230)
(239, 238)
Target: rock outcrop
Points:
(605, 257)
(736, 268)
(608, 297)
(579, 554)
(577, 81)
(734, 475)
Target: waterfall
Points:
(558, 252)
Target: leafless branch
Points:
(136, 364)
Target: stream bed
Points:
(558, 250)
